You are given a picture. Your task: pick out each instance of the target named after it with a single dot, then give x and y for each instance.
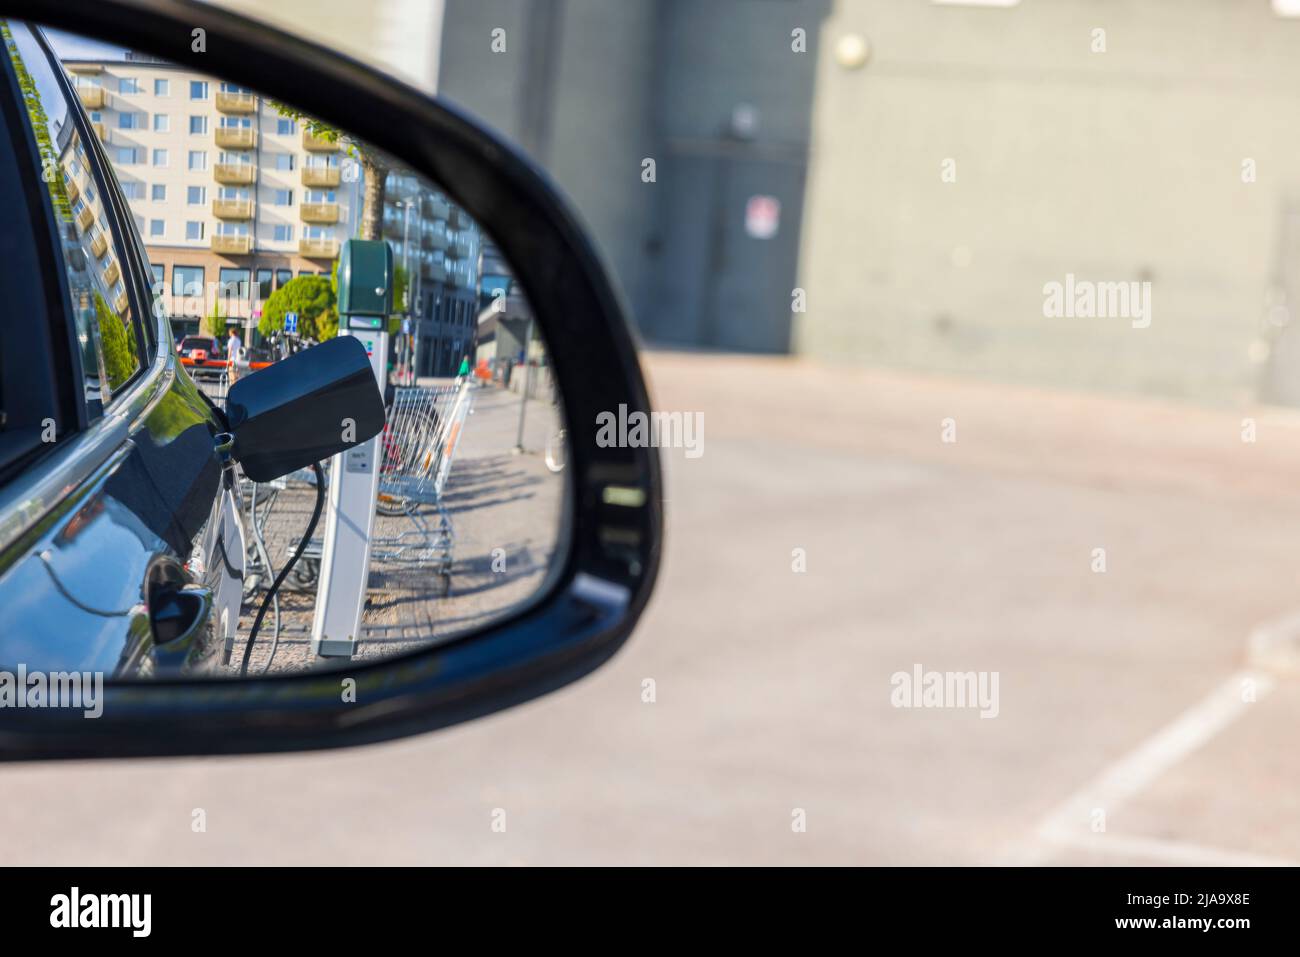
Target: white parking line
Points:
(1071, 823)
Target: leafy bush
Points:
(312, 298)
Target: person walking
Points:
(234, 352)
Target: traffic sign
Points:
(291, 323)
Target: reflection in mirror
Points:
(243, 205)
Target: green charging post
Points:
(365, 301)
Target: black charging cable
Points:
(288, 566)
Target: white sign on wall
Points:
(762, 216)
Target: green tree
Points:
(119, 360)
(311, 298)
(374, 166)
(215, 322)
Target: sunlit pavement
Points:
(772, 687)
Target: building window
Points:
(320, 195)
(236, 122)
(159, 157)
(196, 195)
(187, 280)
(318, 232)
(128, 155)
(162, 88)
(282, 233)
(159, 193)
(282, 276)
(285, 127)
(282, 197)
(159, 273)
(128, 84)
(162, 123)
(232, 229)
(198, 159)
(128, 121)
(198, 125)
(234, 282)
(284, 161)
(193, 230)
(157, 227)
(198, 90)
(263, 283)
(133, 190)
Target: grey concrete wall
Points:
(600, 123)
(1120, 165)
(1114, 166)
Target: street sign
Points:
(291, 323)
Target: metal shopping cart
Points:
(214, 384)
(419, 444)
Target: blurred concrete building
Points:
(914, 173)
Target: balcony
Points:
(234, 209)
(73, 189)
(317, 144)
(85, 218)
(236, 102)
(437, 237)
(320, 177)
(98, 246)
(235, 137)
(320, 213)
(101, 131)
(232, 245)
(318, 248)
(120, 303)
(234, 174)
(92, 97)
(112, 274)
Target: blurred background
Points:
(988, 310)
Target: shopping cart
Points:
(418, 444)
(215, 384)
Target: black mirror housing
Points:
(606, 563)
(304, 409)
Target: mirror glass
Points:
(243, 205)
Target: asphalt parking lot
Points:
(1120, 690)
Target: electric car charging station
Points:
(365, 300)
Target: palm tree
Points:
(374, 166)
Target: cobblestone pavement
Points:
(504, 509)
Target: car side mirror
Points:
(304, 409)
(525, 539)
